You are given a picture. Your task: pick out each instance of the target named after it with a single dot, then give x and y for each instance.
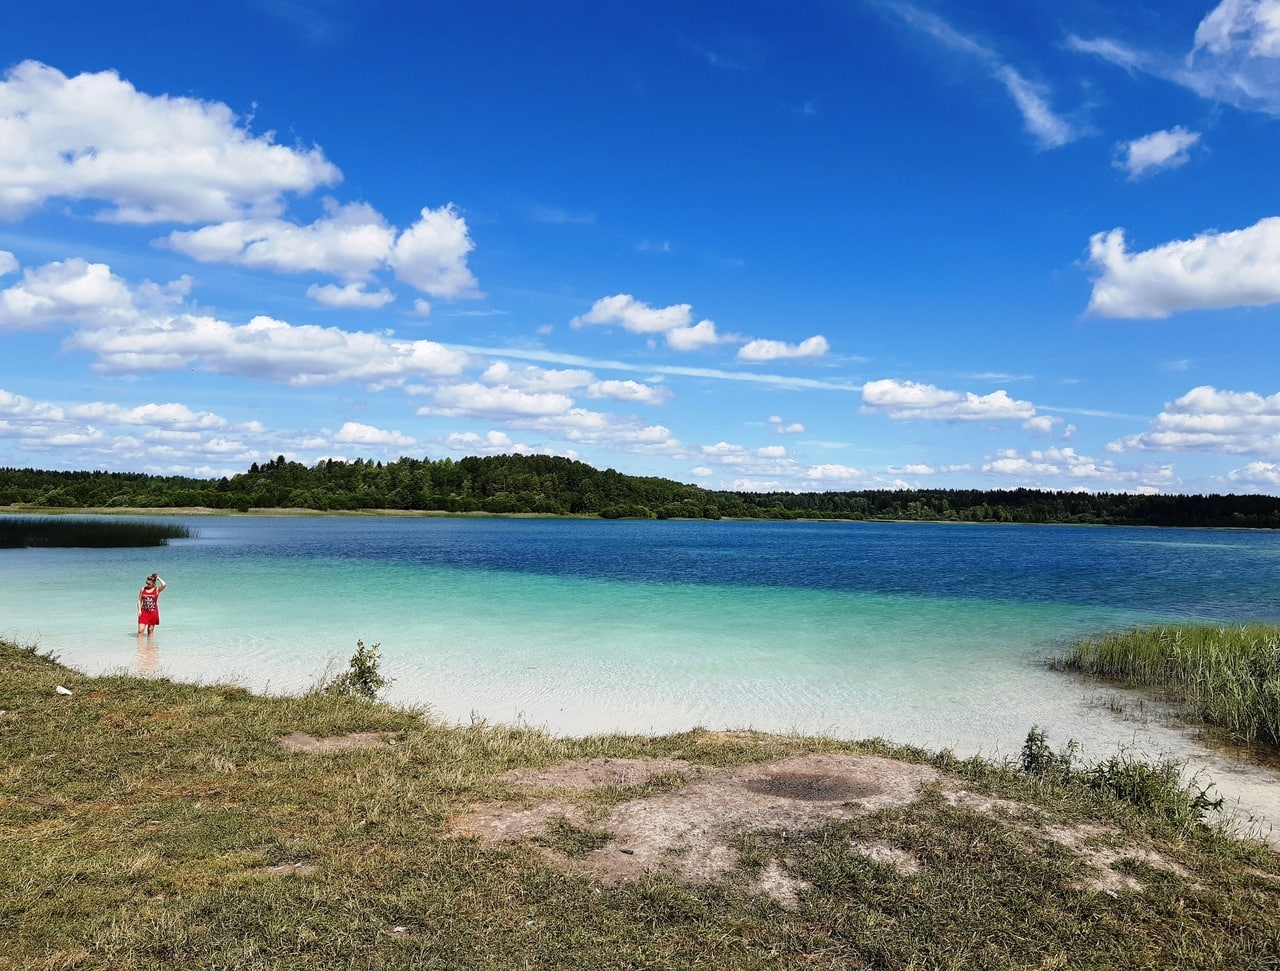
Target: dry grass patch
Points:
(302, 742)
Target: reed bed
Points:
(17, 532)
(1228, 677)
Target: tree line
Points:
(549, 485)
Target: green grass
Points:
(20, 531)
(141, 819)
(1227, 677)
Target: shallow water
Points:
(929, 634)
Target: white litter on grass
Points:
(62, 691)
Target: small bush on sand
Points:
(363, 676)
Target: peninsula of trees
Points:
(548, 485)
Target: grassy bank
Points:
(1228, 677)
(148, 824)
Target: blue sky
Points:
(754, 245)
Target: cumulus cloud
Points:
(674, 323)
(1156, 152)
(910, 401)
(600, 430)
(1058, 464)
(701, 334)
(1211, 271)
(61, 292)
(148, 159)
(770, 460)
(530, 378)
(783, 428)
(431, 255)
(169, 416)
(834, 473)
(266, 349)
(1208, 420)
(768, 350)
(165, 436)
(8, 263)
(145, 329)
(349, 242)
(1049, 128)
(1263, 476)
(482, 400)
(630, 391)
(1046, 425)
(355, 433)
(353, 295)
(1234, 57)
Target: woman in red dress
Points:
(149, 604)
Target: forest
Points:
(553, 486)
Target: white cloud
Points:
(1256, 475)
(1058, 464)
(169, 416)
(8, 263)
(675, 322)
(1235, 57)
(768, 350)
(355, 433)
(475, 399)
(1249, 25)
(631, 391)
(61, 292)
(353, 295)
(1157, 151)
(264, 348)
(1042, 424)
(167, 436)
(1050, 129)
(910, 401)
(150, 159)
(701, 334)
(1208, 420)
(782, 428)
(834, 473)
(532, 378)
(349, 242)
(915, 468)
(431, 255)
(421, 308)
(1213, 270)
(141, 330)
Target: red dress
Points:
(149, 613)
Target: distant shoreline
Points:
(301, 513)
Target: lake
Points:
(924, 633)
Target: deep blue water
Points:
(934, 634)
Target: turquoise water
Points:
(930, 634)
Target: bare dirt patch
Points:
(689, 830)
(593, 773)
(302, 742)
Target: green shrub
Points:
(1156, 788)
(362, 676)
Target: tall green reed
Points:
(1226, 676)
